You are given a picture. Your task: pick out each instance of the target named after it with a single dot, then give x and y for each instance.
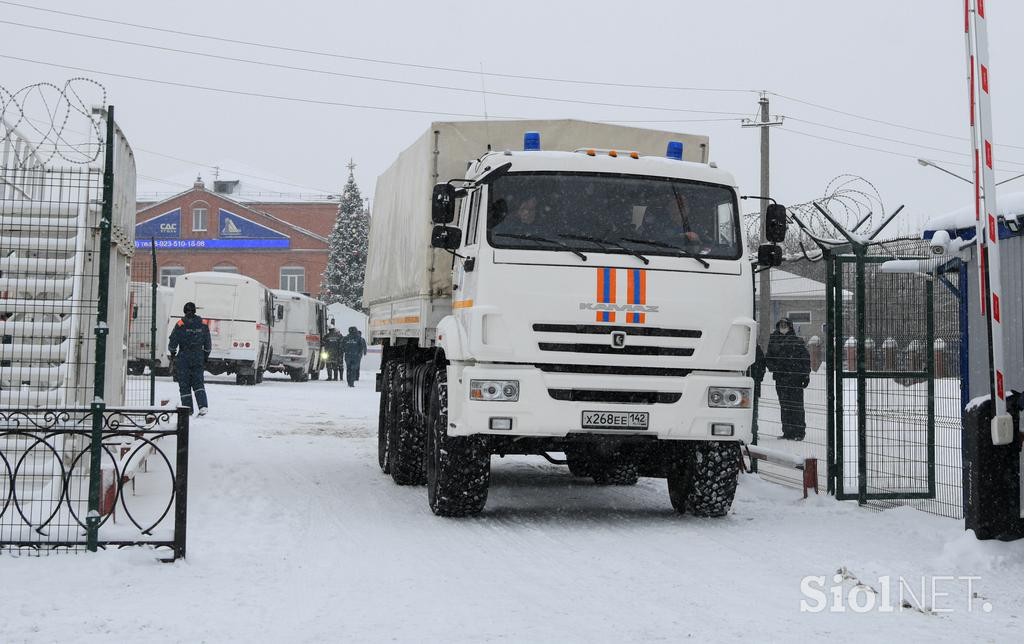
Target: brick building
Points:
(282, 242)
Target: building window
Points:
(799, 317)
(225, 268)
(199, 220)
(293, 278)
(170, 274)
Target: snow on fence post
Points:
(890, 348)
(814, 348)
(939, 348)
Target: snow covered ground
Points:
(295, 535)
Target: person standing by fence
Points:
(190, 346)
(790, 364)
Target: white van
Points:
(300, 322)
(239, 311)
(140, 323)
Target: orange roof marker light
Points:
(634, 155)
(591, 153)
(613, 153)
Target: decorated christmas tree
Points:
(346, 263)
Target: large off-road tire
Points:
(385, 418)
(458, 467)
(706, 484)
(579, 460)
(407, 433)
(615, 470)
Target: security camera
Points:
(939, 243)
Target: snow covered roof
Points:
(963, 219)
(236, 180)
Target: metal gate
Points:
(880, 355)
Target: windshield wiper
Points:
(683, 251)
(604, 243)
(544, 239)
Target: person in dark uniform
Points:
(332, 345)
(790, 364)
(352, 347)
(190, 346)
(360, 360)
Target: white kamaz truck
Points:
(594, 300)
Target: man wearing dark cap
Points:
(189, 347)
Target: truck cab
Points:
(592, 306)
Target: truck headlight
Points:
(730, 397)
(494, 390)
(324, 355)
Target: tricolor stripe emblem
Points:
(636, 293)
(606, 292)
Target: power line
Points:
(492, 74)
(451, 88)
(785, 128)
(881, 121)
(883, 138)
(379, 61)
(221, 90)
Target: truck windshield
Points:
(629, 213)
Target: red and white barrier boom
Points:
(987, 227)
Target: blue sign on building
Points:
(165, 226)
(234, 226)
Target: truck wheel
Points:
(458, 468)
(714, 472)
(407, 433)
(615, 470)
(243, 379)
(384, 417)
(314, 375)
(579, 461)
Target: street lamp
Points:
(926, 163)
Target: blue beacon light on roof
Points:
(531, 141)
(675, 150)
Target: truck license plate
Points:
(615, 419)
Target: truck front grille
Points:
(623, 397)
(604, 369)
(605, 329)
(629, 350)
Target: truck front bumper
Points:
(538, 412)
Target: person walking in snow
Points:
(332, 345)
(189, 346)
(790, 364)
(353, 347)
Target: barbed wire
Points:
(69, 132)
(849, 198)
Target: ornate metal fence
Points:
(45, 479)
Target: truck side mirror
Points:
(769, 255)
(442, 204)
(775, 223)
(446, 237)
(280, 311)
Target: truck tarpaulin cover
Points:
(400, 256)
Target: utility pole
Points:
(764, 301)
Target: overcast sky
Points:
(899, 62)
